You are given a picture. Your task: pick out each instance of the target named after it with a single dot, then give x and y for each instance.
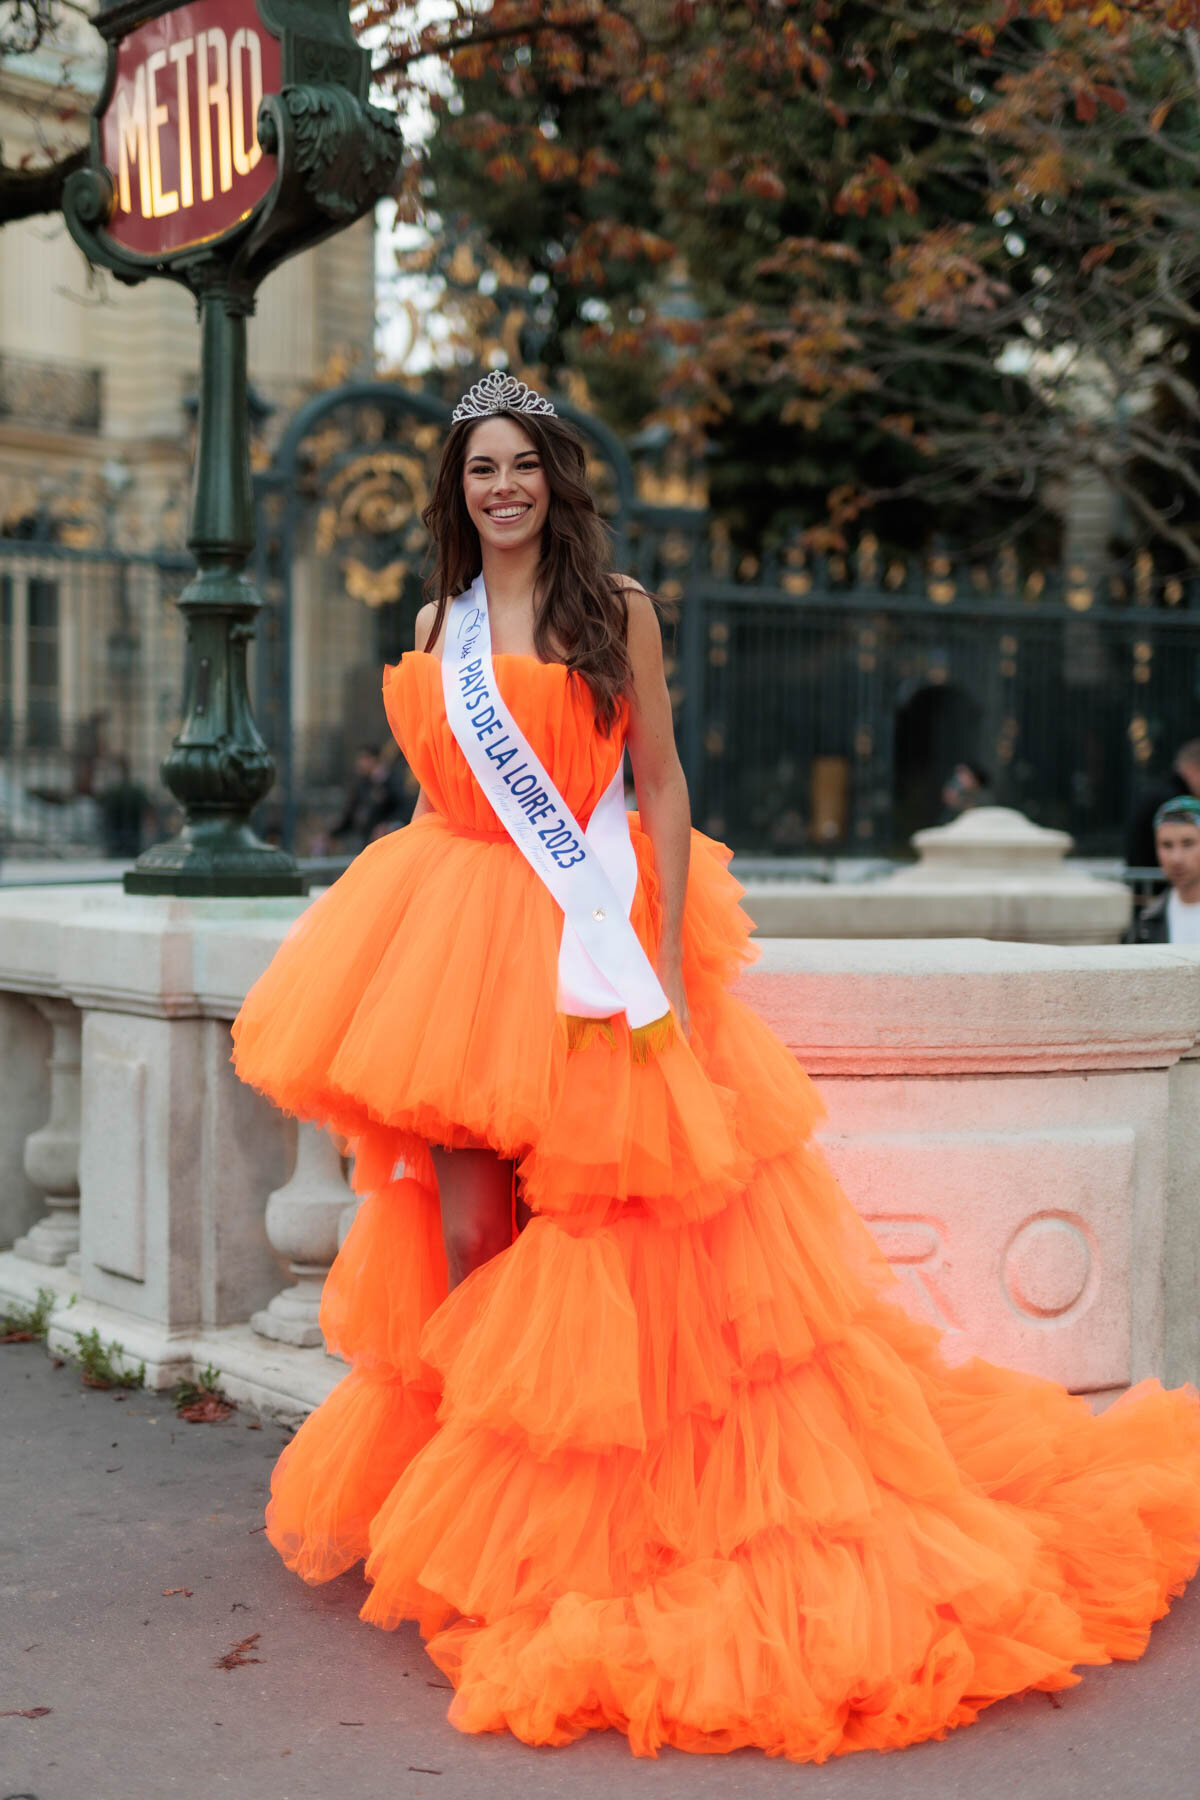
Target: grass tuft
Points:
(101, 1366)
(200, 1401)
(27, 1324)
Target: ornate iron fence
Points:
(90, 681)
(820, 702)
(824, 704)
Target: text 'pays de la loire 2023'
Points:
(179, 135)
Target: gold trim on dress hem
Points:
(646, 1040)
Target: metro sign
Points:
(178, 126)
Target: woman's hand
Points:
(670, 973)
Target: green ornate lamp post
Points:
(229, 135)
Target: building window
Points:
(30, 662)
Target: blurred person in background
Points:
(1182, 779)
(1174, 916)
(968, 786)
(124, 805)
(395, 791)
(360, 809)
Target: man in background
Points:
(1174, 917)
(1182, 779)
(361, 808)
(967, 787)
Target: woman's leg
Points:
(475, 1188)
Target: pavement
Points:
(110, 1506)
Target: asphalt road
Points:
(107, 1501)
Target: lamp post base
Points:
(221, 862)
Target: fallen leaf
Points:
(208, 1411)
(27, 1712)
(256, 1425)
(169, 1591)
(17, 1337)
(236, 1656)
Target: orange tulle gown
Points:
(677, 1461)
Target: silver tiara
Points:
(500, 392)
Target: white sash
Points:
(592, 874)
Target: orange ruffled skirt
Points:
(676, 1462)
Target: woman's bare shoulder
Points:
(641, 613)
(643, 633)
(424, 625)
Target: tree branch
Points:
(480, 35)
(24, 193)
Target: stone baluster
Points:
(303, 1221)
(52, 1152)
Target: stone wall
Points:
(1019, 1125)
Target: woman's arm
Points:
(661, 787)
(424, 622)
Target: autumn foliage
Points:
(918, 266)
(937, 261)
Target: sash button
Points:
(598, 913)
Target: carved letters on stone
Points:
(1018, 1245)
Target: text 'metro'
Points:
(178, 135)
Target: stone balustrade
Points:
(1018, 1123)
(993, 873)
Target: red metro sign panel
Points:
(178, 135)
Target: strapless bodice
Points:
(554, 709)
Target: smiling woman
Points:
(505, 487)
(637, 1426)
(511, 493)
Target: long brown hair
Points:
(580, 613)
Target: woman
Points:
(671, 1458)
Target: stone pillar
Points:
(52, 1153)
(1005, 877)
(25, 1040)
(991, 874)
(303, 1222)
